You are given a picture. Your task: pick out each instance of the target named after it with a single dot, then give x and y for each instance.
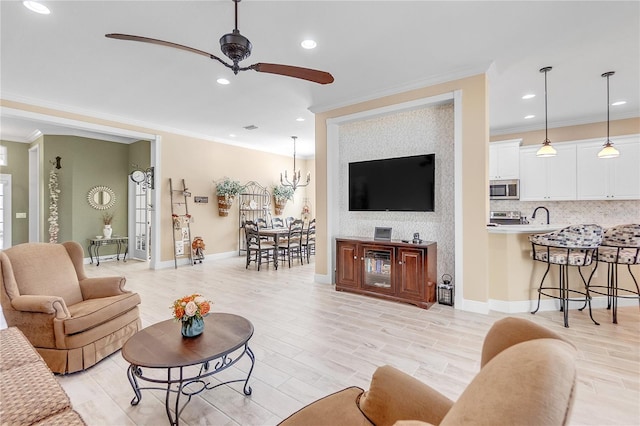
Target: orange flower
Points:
(179, 312)
(204, 308)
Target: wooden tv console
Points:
(394, 270)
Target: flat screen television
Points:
(393, 184)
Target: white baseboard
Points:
(185, 260)
(551, 305)
(322, 279)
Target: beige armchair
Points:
(527, 376)
(73, 321)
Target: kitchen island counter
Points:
(524, 229)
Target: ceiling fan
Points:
(237, 47)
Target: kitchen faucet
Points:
(533, 216)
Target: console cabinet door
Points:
(347, 265)
(378, 268)
(411, 273)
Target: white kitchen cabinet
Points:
(548, 178)
(504, 159)
(609, 178)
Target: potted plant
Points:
(281, 194)
(107, 219)
(226, 190)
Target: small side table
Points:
(120, 243)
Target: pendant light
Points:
(546, 150)
(608, 151)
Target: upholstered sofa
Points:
(73, 321)
(527, 377)
(29, 394)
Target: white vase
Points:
(106, 231)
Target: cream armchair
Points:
(73, 321)
(527, 376)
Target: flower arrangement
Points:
(107, 218)
(189, 307)
(281, 192)
(228, 188)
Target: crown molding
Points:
(151, 127)
(406, 87)
(565, 123)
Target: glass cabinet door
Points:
(377, 268)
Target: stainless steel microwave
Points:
(504, 189)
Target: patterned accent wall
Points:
(604, 213)
(420, 131)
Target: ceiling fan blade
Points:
(316, 76)
(164, 43)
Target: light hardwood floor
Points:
(310, 340)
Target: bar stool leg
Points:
(564, 293)
(540, 288)
(587, 296)
(635, 282)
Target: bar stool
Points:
(620, 246)
(571, 246)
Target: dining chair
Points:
(277, 222)
(309, 240)
(258, 248)
(293, 247)
(288, 221)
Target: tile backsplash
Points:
(604, 213)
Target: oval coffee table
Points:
(225, 340)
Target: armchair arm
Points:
(394, 395)
(98, 287)
(42, 304)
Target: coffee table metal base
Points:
(188, 385)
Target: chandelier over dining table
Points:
(295, 181)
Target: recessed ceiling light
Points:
(299, 119)
(232, 135)
(223, 81)
(308, 44)
(529, 96)
(527, 117)
(618, 103)
(34, 6)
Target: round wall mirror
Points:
(101, 197)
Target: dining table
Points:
(276, 234)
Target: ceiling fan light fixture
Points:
(37, 7)
(546, 150)
(235, 46)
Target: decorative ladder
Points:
(180, 223)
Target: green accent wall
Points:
(18, 167)
(86, 163)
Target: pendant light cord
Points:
(608, 75)
(546, 127)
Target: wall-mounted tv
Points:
(393, 184)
